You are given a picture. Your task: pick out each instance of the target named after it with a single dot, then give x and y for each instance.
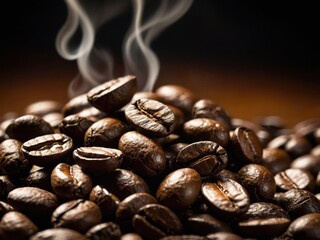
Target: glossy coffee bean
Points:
(54, 119)
(206, 157)
(40, 178)
(305, 227)
(294, 179)
(102, 231)
(58, 234)
(245, 146)
(105, 133)
(97, 160)
(206, 129)
(75, 127)
(144, 155)
(226, 199)
(33, 201)
(206, 108)
(113, 94)
(27, 127)
(70, 182)
(203, 224)
(154, 221)
(150, 117)
(106, 201)
(4, 208)
(307, 129)
(44, 107)
(79, 215)
(315, 151)
(76, 105)
(15, 225)
(148, 95)
(307, 162)
(6, 185)
(179, 189)
(92, 113)
(123, 183)
(12, 161)
(223, 236)
(258, 181)
(225, 174)
(275, 159)
(131, 205)
(48, 150)
(272, 123)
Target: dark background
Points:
(249, 44)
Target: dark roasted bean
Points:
(4, 208)
(305, 227)
(307, 162)
(275, 159)
(42, 108)
(76, 105)
(58, 234)
(102, 231)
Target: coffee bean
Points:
(206, 108)
(144, 155)
(3, 135)
(273, 124)
(305, 227)
(226, 199)
(58, 234)
(102, 231)
(225, 174)
(154, 221)
(203, 224)
(184, 237)
(275, 159)
(294, 179)
(206, 129)
(131, 236)
(41, 178)
(113, 94)
(258, 181)
(123, 183)
(48, 150)
(15, 225)
(180, 189)
(76, 105)
(97, 160)
(148, 95)
(245, 146)
(307, 129)
(105, 133)
(54, 119)
(307, 162)
(27, 127)
(79, 215)
(44, 107)
(12, 161)
(6, 185)
(315, 151)
(206, 157)
(150, 117)
(223, 236)
(106, 201)
(4, 208)
(70, 182)
(33, 201)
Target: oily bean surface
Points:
(58, 234)
(305, 227)
(107, 230)
(44, 107)
(150, 117)
(275, 159)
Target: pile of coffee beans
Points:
(114, 163)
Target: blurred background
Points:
(254, 58)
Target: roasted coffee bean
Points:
(3, 135)
(184, 237)
(27, 127)
(275, 159)
(297, 202)
(307, 162)
(144, 155)
(295, 145)
(307, 129)
(294, 179)
(224, 236)
(203, 224)
(150, 117)
(258, 181)
(106, 201)
(44, 107)
(131, 205)
(6, 185)
(206, 157)
(225, 174)
(315, 151)
(12, 161)
(92, 113)
(273, 124)
(123, 183)
(75, 127)
(180, 189)
(245, 146)
(70, 182)
(102, 231)
(113, 94)
(105, 132)
(4, 208)
(305, 227)
(33, 201)
(40, 178)
(79, 215)
(226, 198)
(48, 150)
(131, 236)
(15, 225)
(206, 108)
(97, 160)
(206, 129)
(168, 140)
(54, 119)
(148, 95)
(76, 105)
(154, 221)
(58, 234)
(179, 117)
(177, 96)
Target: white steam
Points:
(96, 64)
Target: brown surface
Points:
(244, 93)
